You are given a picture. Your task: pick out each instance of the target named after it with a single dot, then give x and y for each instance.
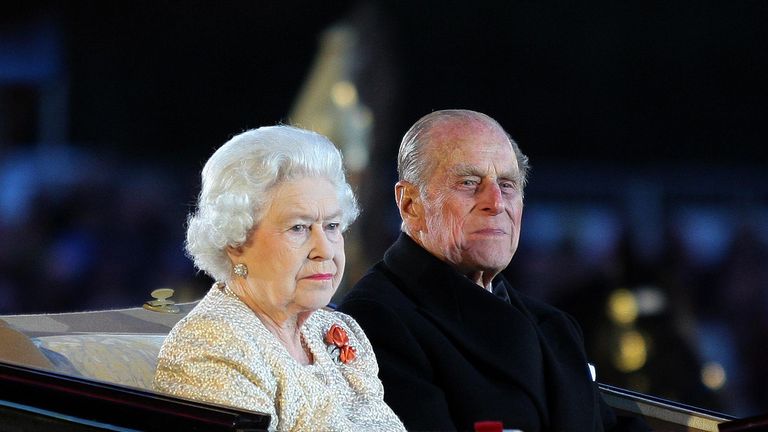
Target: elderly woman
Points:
(273, 206)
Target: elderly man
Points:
(455, 343)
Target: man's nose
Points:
(490, 199)
(321, 246)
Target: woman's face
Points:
(295, 255)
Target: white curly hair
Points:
(236, 185)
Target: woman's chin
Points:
(317, 300)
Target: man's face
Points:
(472, 202)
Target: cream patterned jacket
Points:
(222, 353)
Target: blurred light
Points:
(622, 307)
(597, 233)
(344, 94)
(650, 300)
(364, 118)
(544, 219)
(713, 375)
(632, 353)
(356, 144)
(706, 232)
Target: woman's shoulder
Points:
(325, 318)
(217, 320)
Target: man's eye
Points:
(333, 226)
(299, 228)
(507, 185)
(469, 182)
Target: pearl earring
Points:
(240, 269)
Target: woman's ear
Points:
(408, 201)
(234, 252)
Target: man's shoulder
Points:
(543, 313)
(375, 277)
(539, 308)
(379, 288)
(377, 283)
(537, 305)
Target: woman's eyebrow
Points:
(300, 215)
(334, 215)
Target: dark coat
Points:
(451, 353)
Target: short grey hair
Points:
(236, 188)
(414, 166)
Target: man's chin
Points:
(492, 252)
(489, 263)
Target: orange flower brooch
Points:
(337, 340)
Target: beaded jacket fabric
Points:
(222, 353)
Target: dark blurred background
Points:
(646, 125)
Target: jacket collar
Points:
(508, 338)
(421, 274)
(475, 319)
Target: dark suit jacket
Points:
(451, 353)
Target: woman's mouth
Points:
(320, 276)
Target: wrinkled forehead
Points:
(455, 128)
(471, 142)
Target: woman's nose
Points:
(321, 245)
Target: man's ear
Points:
(409, 203)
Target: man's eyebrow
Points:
(462, 170)
(466, 170)
(513, 176)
